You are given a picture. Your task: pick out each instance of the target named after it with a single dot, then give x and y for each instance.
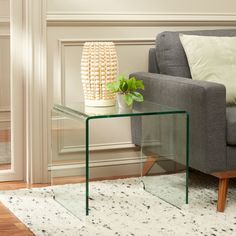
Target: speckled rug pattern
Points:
(123, 208)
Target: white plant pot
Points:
(122, 104)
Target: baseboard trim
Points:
(96, 147)
(115, 167)
(5, 116)
(101, 163)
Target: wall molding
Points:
(62, 43)
(127, 41)
(5, 27)
(138, 18)
(103, 166)
(101, 163)
(5, 36)
(5, 115)
(78, 169)
(4, 21)
(37, 108)
(96, 147)
(5, 109)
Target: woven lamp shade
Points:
(99, 66)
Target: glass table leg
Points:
(164, 154)
(87, 166)
(68, 163)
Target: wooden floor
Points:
(9, 224)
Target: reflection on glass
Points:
(5, 104)
(5, 149)
(99, 110)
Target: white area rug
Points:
(122, 207)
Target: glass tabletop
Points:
(143, 108)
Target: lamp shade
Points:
(99, 66)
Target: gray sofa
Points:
(212, 123)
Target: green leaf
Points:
(128, 99)
(123, 86)
(139, 84)
(121, 78)
(132, 84)
(113, 87)
(138, 97)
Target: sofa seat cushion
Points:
(231, 125)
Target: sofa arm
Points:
(205, 103)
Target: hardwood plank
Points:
(10, 225)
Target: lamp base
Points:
(100, 103)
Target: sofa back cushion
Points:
(212, 59)
(171, 57)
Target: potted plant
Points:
(126, 90)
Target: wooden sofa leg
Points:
(149, 163)
(222, 194)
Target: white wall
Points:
(160, 6)
(132, 25)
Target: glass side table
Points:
(160, 136)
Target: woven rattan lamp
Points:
(99, 66)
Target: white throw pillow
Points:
(212, 59)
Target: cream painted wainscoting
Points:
(132, 25)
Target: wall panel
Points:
(133, 26)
